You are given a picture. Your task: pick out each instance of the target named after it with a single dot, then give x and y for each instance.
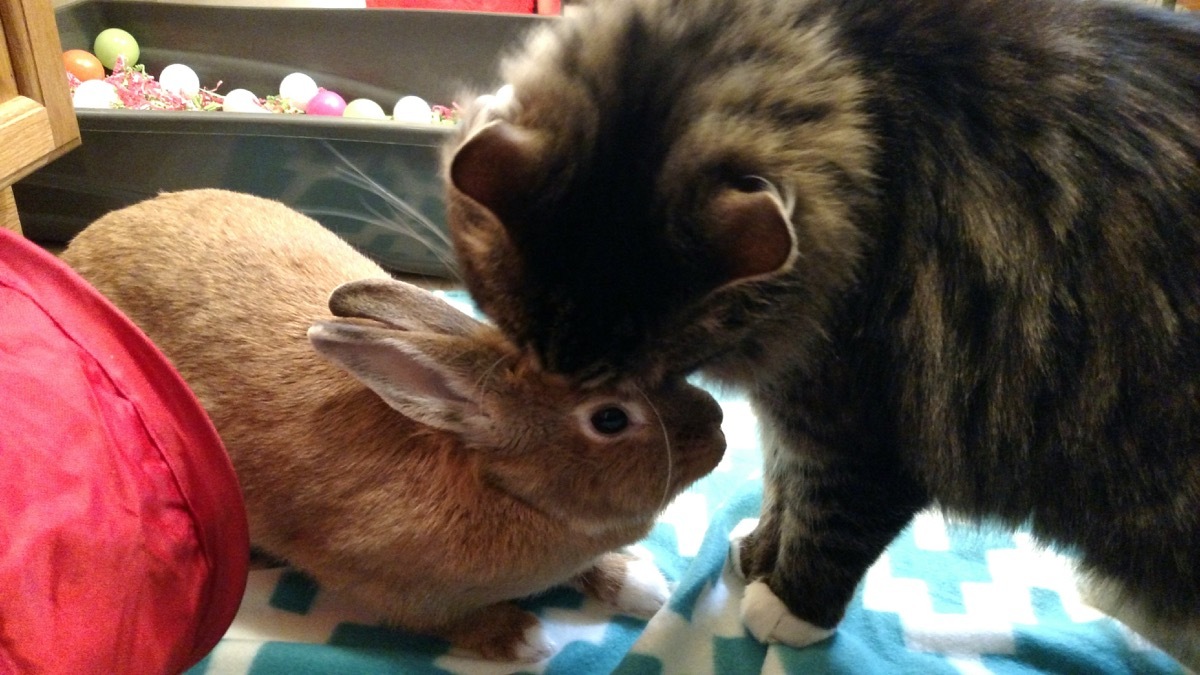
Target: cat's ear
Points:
(498, 167)
(750, 232)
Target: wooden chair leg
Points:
(9, 219)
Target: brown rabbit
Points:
(408, 456)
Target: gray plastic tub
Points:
(375, 183)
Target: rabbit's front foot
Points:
(633, 586)
(500, 632)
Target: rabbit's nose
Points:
(715, 411)
(704, 417)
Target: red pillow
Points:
(123, 541)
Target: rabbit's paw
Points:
(631, 585)
(645, 590)
(502, 632)
(768, 619)
(533, 645)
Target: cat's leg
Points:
(826, 518)
(632, 585)
(500, 632)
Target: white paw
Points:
(534, 645)
(645, 590)
(768, 619)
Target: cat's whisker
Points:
(404, 218)
(359, 178)
(442, 253)
(398, 205)
(374, 218)
(381, 220)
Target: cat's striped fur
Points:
(950, 247)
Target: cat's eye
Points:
(610, 420)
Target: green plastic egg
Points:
(114, 42)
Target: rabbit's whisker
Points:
(667, 444)
(481, 383)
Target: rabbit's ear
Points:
(399, 305)
(427, 377)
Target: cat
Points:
(950, 248)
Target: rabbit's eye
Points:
(610, 420)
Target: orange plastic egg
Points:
(83, 64)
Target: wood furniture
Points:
(37, 120)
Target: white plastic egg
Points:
(496, 101)
(179, 79)
(412, 109)
(298, 89)
(95, 94)
(242, 100)
(364, 108)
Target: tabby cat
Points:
(951, 249)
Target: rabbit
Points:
(399, 451)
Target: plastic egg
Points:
(496, 101)
(298, 89)
(412, 109)
(83, 65)
(114, 42)
(242, 100)
(326, 102)
(179, 79)
(95, 94)
(364, 108)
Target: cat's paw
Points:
(768, 619)
(763, 613)
(644, 591)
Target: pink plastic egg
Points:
(326, 102)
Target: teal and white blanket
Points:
(944, 598)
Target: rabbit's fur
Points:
(491, 485)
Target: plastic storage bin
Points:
(375, 183)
